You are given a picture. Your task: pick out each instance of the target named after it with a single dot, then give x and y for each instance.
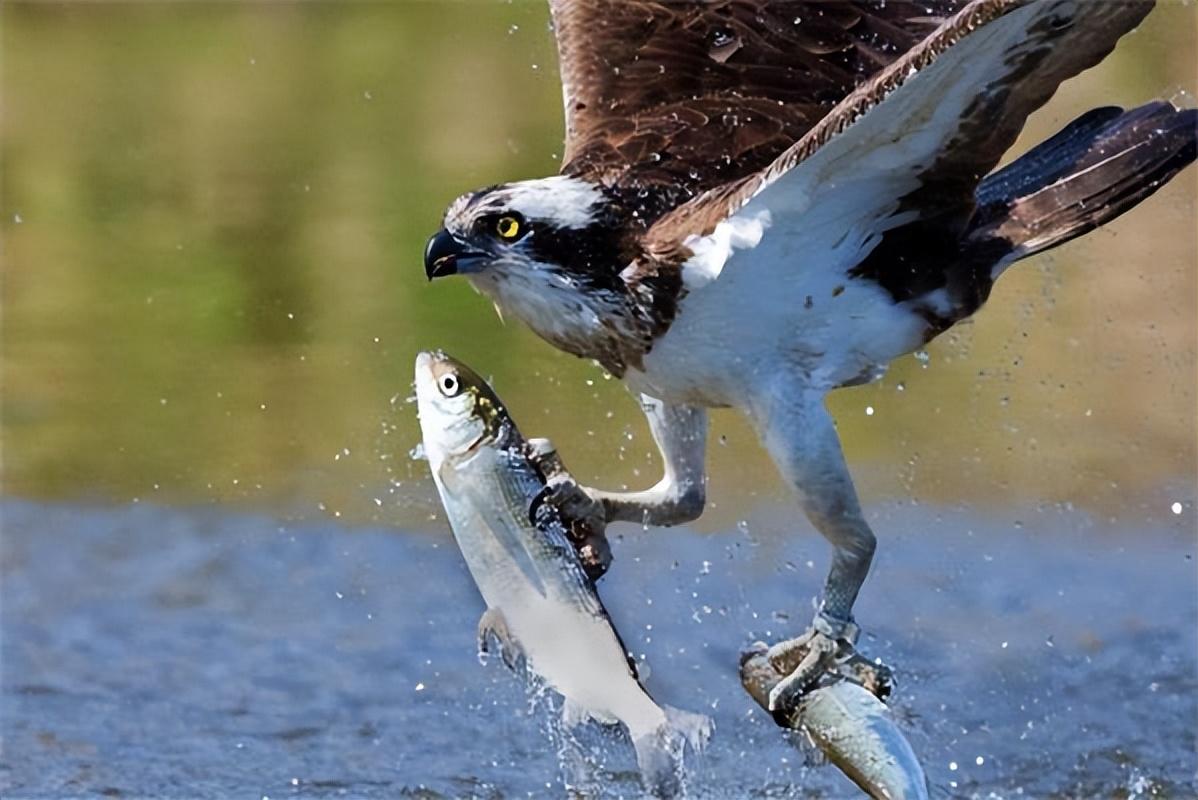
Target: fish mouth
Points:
(426, 372)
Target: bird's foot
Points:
(584, 517)
(825, 651)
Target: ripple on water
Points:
(153, 652)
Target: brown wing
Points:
(696, 94)
(914, 141)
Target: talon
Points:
(811, 658)
(585, 522)
(574, 501)
(877, 678)
(818, 658)
(584, 517)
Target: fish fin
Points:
(659, 757)
(492, 626)
(695, 728)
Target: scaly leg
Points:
(799, 434)
(681, 435)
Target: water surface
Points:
(214, 215)
(158, 653)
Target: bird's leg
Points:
(681, 435)
(800, 436)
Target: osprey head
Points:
(557, 224)
(553, 253)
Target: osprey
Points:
(760, 202)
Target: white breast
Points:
(779, 300)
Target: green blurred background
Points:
(213, 216)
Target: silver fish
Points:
(848, 723)
(541, 605)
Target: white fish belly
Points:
(575, 651)
(579, 656)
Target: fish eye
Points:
(510, 227)
(449, 384)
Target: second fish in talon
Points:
(843, 718)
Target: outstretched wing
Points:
(690, 95)
(894, 168)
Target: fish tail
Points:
(660, 750)
(695, 728)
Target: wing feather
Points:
(917, 139)
(691, 95)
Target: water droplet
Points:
(722, 37)
(723, 42)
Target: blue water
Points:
(154, 652)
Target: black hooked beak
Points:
(448, 255)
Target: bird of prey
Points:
(763, 200)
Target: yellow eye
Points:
(508, 227)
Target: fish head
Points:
(458, 409)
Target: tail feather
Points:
(1102, 164)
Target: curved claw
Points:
(574, 502)
(584, 517)
(809, 658)
(874, 676)
(818, 659)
